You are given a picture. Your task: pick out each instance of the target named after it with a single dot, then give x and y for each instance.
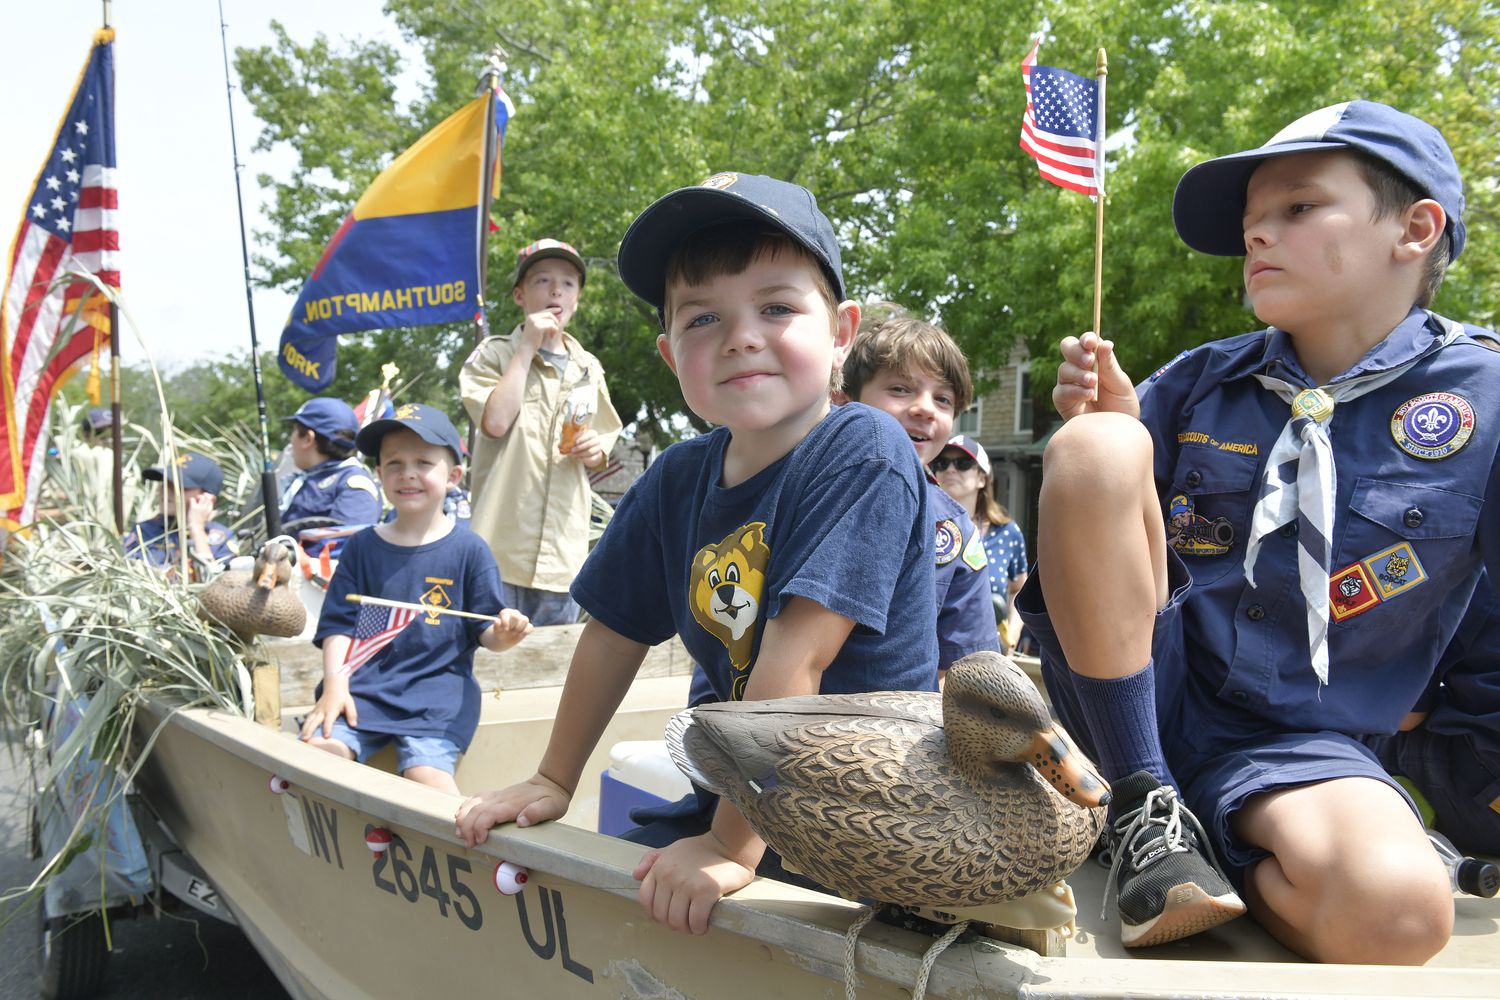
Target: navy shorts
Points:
(1220, 753)
(1459, 780)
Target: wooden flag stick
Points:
(1103, 75)
(429, 609)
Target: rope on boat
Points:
(851, 940)
(938, 947)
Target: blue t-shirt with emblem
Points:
(341, 489)
(843, 520)
(150, 540)
(422, 683)
(966, 614)
(1415, 460)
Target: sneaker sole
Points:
(1189, 910)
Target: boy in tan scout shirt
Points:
(531, 499)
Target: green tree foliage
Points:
(903, 117)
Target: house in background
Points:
(1013, 427)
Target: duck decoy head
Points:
(992, 714)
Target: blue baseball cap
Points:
(194, 471)
(98, 419)
(1209, 205)
(672, 218)
(973, 449)
(428, 422)
(326, 416)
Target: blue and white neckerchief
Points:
(300, 479)
(1301, 482)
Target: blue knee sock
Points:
(1121, 715)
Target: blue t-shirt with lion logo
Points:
(843, 520)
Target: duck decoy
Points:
(258, 601)
(953, 802)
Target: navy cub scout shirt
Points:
(422, 683)
(842, 520)
(152, 541)
(966, 614)
(342, 490)
(1415, 462)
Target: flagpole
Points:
(270, 497)
(494, 66)
(116, 438)
(425, 608)
(1102, 72)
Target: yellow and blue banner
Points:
(408, 254)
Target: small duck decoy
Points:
(258, 601)
(953, 802)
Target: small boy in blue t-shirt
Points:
(419, 688)
(916, 373)
(1283, 533)
(791, 548)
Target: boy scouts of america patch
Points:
(1373, 580)
(950, 541)
(1192, 535)
(1433, 426)
(323, 484)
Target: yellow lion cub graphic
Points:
(726, 585)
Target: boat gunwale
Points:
(768, 911)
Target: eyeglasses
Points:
(962, 464)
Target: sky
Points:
(182, 274)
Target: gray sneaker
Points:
(1166, 881)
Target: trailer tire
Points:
(73, 958)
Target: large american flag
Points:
(48, 324)
(374, 629)
(1061, 126)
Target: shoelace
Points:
(1139, 822)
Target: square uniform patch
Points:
(1395, 570)
(1350, 592)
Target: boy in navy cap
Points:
(331, 481)
(419, 688)
(1325, 482)
(157, 540)
(791, 548)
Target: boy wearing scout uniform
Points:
(1325, 483)
(531, 499)
(157, 539)
(331, 481)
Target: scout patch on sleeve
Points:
(974, 556)
(1373, 580)
(472, 355)
(724, 593)
(216, 536)
(950, 541)
(1433, 426)
(326, 482)
(359, 482)
(1163, 369)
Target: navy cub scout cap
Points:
(194, 471)
(672, 218)
(1209, 205)
(428, 422)
(326, 416)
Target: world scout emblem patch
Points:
(1433, 426)
(949, 541)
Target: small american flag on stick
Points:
(374, 629)
(1061, 127)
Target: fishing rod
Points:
(268, 492)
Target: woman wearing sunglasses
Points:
(962, 469)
